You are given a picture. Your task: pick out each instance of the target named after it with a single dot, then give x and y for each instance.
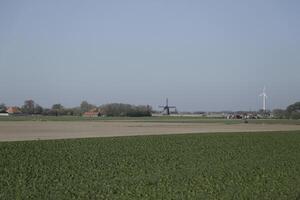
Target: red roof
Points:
(91, 114)
(13, 110)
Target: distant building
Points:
(13, 111)
(4, 114)
(92, 113)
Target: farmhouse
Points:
(92, 113)
(13, 111)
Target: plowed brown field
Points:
(35, 130)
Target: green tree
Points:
(3, 108)
(76, 111)
(293, 111)
(119, 109)
(279, 113)
(46, 111)
(57, 109)
(38, 109)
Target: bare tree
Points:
(28, 107)
(85, 106)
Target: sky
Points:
(203, 55)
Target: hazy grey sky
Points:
(203, 55)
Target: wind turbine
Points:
(167, 107)
(264, 97)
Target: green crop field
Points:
(190, 166)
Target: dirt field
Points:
(12, 131)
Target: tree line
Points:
(291, 112)
(30, 107)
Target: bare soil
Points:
(39, 130)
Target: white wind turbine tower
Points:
(264, 97)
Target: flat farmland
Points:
(188, 166)
(221, 159)
(41, 130)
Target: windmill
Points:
(166, 108)
(264, 97)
